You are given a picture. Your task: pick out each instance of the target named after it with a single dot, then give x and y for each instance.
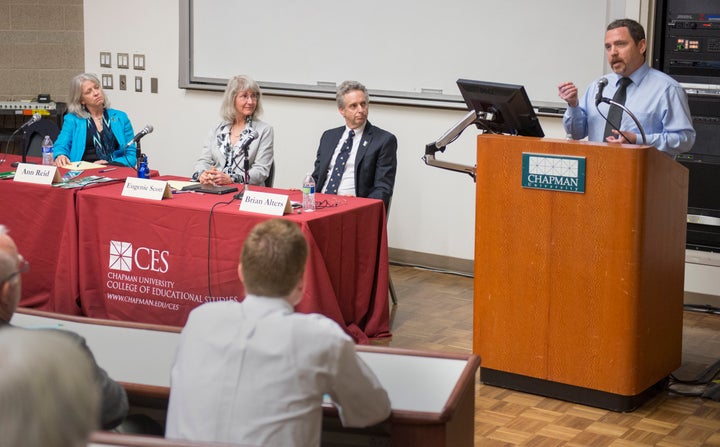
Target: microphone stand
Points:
(7, 149)
(246, 149)
(35, 118)
(138, 155)
(24, 150)
(626, 110)
(246, 166)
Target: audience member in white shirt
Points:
(256, 372)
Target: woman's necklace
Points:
(98, 122)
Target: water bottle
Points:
(47, 150)
(147, 166)
(143, 170)
(308, 190)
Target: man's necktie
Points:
(339, 167)
(615, 112)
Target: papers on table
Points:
(83, 165)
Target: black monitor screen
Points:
(509, 105)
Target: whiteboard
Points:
(409, 49)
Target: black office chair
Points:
(391, 286)
(393, 296)
(34, 135)
(271, 176)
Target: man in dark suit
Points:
(356, 159)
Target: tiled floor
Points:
(435, 313)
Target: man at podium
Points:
(658, 101)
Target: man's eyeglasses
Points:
(23, 266)
(320, 204)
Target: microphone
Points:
(602, 82)
(35, 118)
(146, 130)
(247, 137)
(600, 87)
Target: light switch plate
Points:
(123, 60)
(105, 59)
(139, 61)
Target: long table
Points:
(432, 395)
(97, 253)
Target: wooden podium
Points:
(578, 294)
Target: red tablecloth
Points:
(43, 223)
(147, 261)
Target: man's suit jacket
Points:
(113, 401)
(375, 163)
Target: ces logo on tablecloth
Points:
(123, 258)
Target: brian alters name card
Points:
(265, 203)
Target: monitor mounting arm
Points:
(448, 137)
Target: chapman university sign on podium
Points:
(554, 172)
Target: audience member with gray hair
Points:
(48, 396)
(114, 403)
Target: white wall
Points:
(433, 209)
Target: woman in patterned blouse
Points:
(222, 160)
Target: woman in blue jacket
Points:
(91, 130)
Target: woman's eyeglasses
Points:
(249, 96)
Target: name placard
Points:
(146, 189)
(38, 174)
(265, 203)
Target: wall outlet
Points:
(138, 83)
(122, 80)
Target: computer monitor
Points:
(501, 108)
